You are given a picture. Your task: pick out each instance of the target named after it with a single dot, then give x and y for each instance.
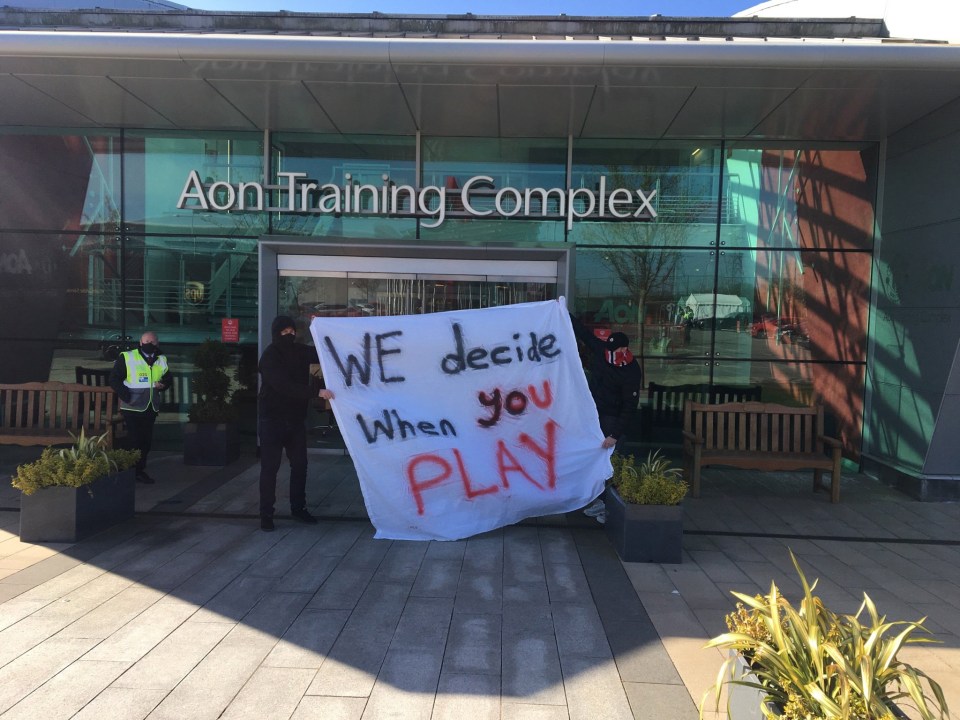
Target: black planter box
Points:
(210, 444)
(644, 533)
(66, 514)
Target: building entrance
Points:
(344, 280)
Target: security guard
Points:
(138, 376)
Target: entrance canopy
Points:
(815, 80)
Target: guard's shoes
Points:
(266, 524)
(601, 518)
(303, 516)
(144, 478)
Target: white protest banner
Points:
(462, 422)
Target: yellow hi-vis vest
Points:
(141, 378)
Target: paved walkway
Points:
(189, 611)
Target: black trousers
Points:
(277, 435)
(140, 432)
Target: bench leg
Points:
(835, 479)
(693, 472)
(817, 480)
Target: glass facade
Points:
(754, 272)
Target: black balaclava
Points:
(280, 323)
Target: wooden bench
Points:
(759, 436)
(47, 413)
(176, 398)
(666, 403)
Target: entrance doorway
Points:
(350, 279)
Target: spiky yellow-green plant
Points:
(86, 461)
(654, 482)
(813, 664)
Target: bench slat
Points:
(761, 436)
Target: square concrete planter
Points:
(67, 514)
(644, 533)
(210, 443)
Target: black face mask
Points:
(287, 340)
(149, 349)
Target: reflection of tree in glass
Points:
(646, 255)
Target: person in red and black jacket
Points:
(615, 380)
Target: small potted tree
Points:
(210, 436)
(644, 514)
(810, 662)
(73, 492)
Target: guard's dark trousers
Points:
(140, 434)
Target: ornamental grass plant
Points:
(811, 663)
(85, 462)
(653, 482)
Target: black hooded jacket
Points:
(615, 390)
(286, 386)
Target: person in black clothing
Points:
(285, 393)
(615, 380)
(138, 377)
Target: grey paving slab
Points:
(527, 593)
(578, 630)
(68, 691)
(479, 592)
(319, 707)
(650, 700)
(424, 625)
(566, 582)
(307, 641)
(287, 553)
(402, 562)
(473, 645)
(438, 577)
(270, 692)
(594, 689)
(532, 711)
(110, 616)
(639, 653)
(210, 686)
(531, 662)
(406, 686)
(235, 600)
(460, 696)
(350, 669)
(121, 704)
(144, 632)
(342, 589)
(33, 668)
(163, 667)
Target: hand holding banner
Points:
(464, 421)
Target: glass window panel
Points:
(811, 198)
(67, 182)
(156, 169)
(500, 231)
(63, 287)
(794, 305)
(837, 386)
(684, 176)
(184, 287)
(366, 159)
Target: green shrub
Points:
(814, 664)
(212, 384)
(654, 482)
(82, 464)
